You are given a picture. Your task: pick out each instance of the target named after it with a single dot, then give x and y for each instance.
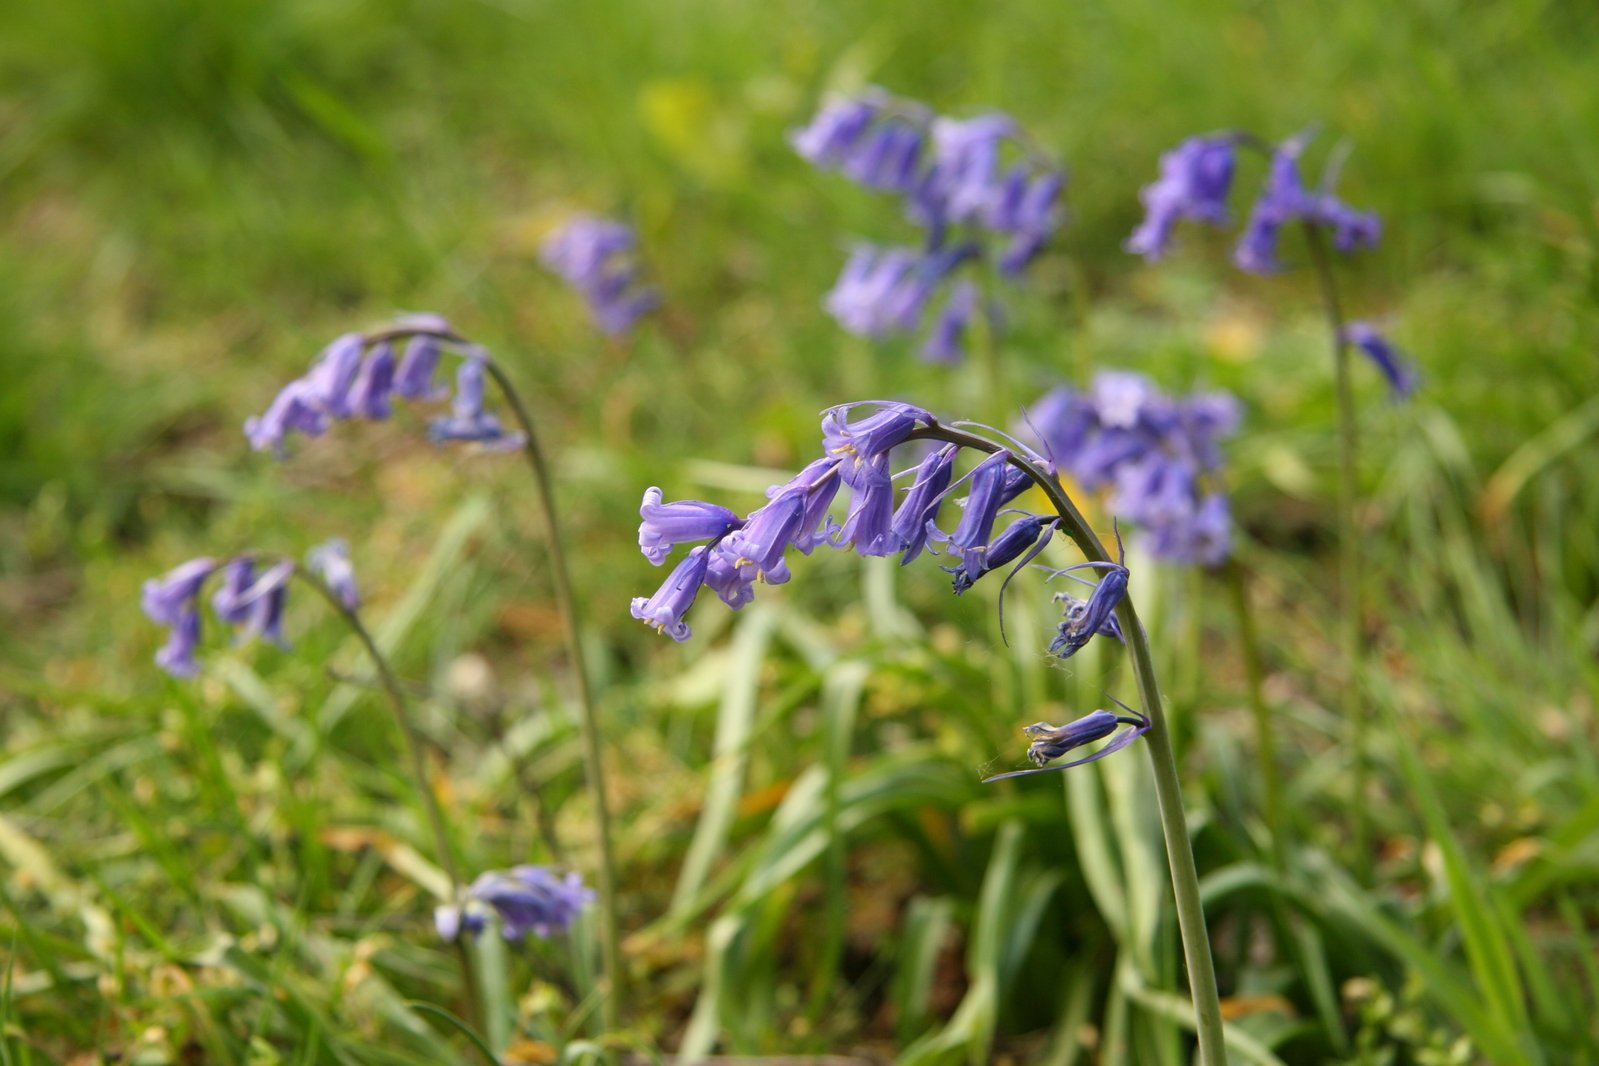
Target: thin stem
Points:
(1349, 608)
(1168, 787)
(417, 755)
(593, 749)
(1265, 736)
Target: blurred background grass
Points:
(194, 197)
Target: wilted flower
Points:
(1027, 534)
(598, 257)
(1398, 371)
(1050, 742)
(527, 899)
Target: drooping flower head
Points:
(599, 258)
(247, 598)
(358, 377)
(526, 899)
(1285, 199)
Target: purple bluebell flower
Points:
(1195, 178)
(1072, 629)
(230, 602)
(820, 481)
(946, 341)
(369, 395)
(527, 899)
(989, 479)
(1157, 454)
(331, 562)
(1035, 221)
(966, 156)
(333, 374)
(1079, 627)
(165, 598)
(468, 420)
(1019, 537)
(833, 134)
(598, 257)
(882, 291)
(869, 527)
(1389, 360)
(918, 512)
(265, 600)
(1285, 199)
(176, 656)
(413, 380)
(734, 584)
(296, 409)
(861, 445)
(887, 159)
(1050, 742)
(665, 609)
(667, 525)
(768, 531)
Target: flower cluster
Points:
(359, 376)
(975, 186)
(599, 258)
(1157, 455)
(1196, 177)
(528, 899)
(249, 597)
(740, 550)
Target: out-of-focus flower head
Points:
(1195, 178)
(1158, 455)
(1285, 199)
(358, 377)
(526, 899)
(599, 258)
(247, 598)
(977, 187)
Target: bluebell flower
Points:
(598, 257)
(357, 377)
(946, 341)
(869, 526)
(989, 479)
(975, 186)
(1020, 536)
(863, 444)
(1050, 742)
(331, 562)
(247, 598)
(667, 525)
(1285, 199)
(1073, 632)
(1158, 455)
(918, 512)
(1389, 360)
(414, 378)
(1195, 178)
(665, 609)
(468, 419)
(527, 899)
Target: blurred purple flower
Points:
(598, 257)
(1285, 199)
(946, 341)
(1159, 455)
(331, 562)
(468, 420)
(527, 899)
(1390, 361)
(1195, 178)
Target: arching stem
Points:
(417, 755)
(1168, 787)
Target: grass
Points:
(195, 197)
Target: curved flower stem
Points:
(418, 759)
(1350, 641)
(1265, 737)
(593, 748)
(1168, 788)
